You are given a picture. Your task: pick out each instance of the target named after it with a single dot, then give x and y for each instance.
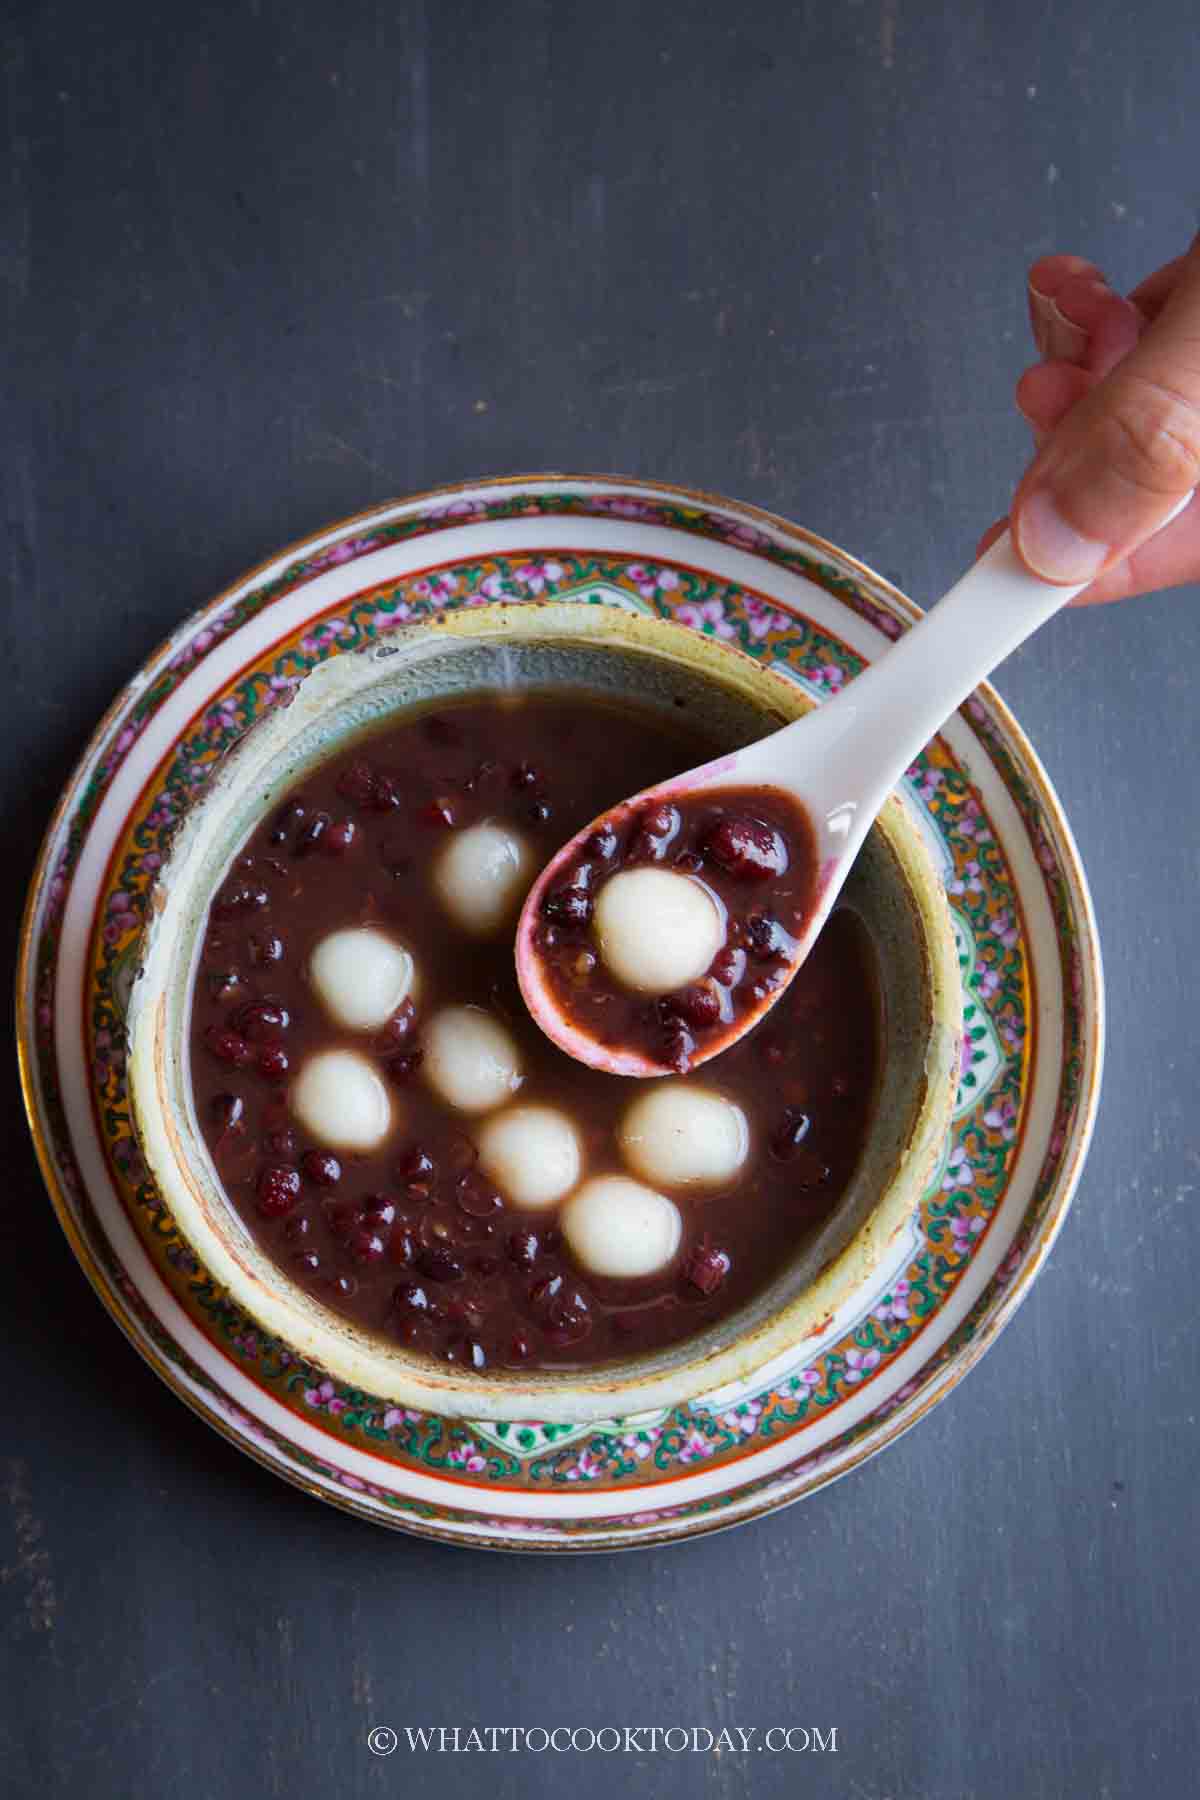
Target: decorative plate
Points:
(1032, 1001)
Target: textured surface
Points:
(265, 265)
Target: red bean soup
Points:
(456, 1194)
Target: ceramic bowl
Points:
(894, 887)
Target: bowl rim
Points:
(362, 1359)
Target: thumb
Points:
(1125, 457)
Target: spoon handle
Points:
(907, 695)
(853, 751)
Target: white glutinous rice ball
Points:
(617, 1227)
(532, 1153)
(481, 876)
(360, 976)
(470, 1060)
(684, 1136)
(341, 1101)
(656, 929)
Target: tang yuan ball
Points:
(532, 1153)
(360, 976)
(617, 1227)
(470, 1060)
(657, 930)
(481, 876)
(684, 1136)
(340, 1100)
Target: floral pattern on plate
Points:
(975, 1166)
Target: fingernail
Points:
(1052, 547)
(1065, 340)
(1058, 338)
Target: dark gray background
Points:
(267, 264)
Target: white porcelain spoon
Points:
(840, 761)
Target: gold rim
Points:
(1065, 1182)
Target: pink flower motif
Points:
(458, 509)
(882, 620)
(859, 1363)
(121, 916)
(1013, 1033)
(968, 882)
(735, 532)
(648, 579)
(399, 1415)
(972, 824)
(640, 1444)
(894, 1306)
(763, 619)
(826, 676)
(587, 1467)
(536, 576)
(1004, 927)
(1009, 1267)
(987, 982)
(343, 552)
(803, 1384)
(898, 1398)
(400, 614)
(925, 782)
(695, 1446)
(625, 507)
(436, 587)
(959, 1172)
(742, 1418)
(964, 1230)
(1002, 1117)
(278, 688)
(224, 716)
(469, 1456)
(490, 588)
(324, 1399)
(707, 616)
(1045, 852)
(322, 635)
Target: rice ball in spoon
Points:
(481, 876)
(361, 976)
(470, 1059)
(657, 929)
(617, 1227)
(683, 1136)
(532, 1153)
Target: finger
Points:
(1046, 277)
(1169, 559)
(1087, 323)
(1125, 455)
(1047, 391)
(1151, 295)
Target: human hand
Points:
(1114, 407)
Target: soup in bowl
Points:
(367, 1140)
